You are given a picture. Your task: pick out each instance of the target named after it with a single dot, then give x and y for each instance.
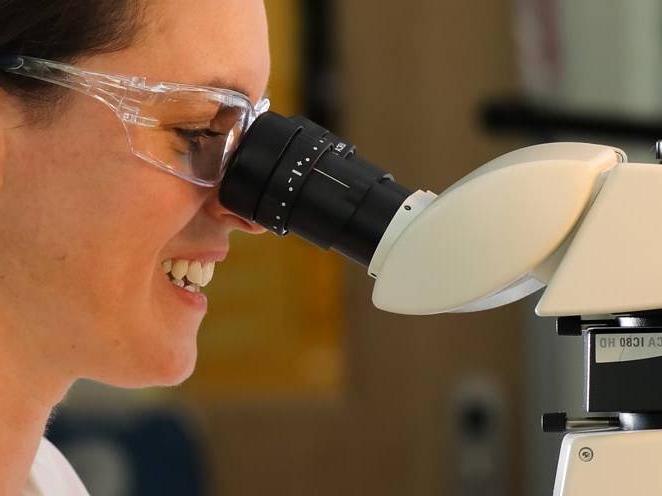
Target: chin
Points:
(172, 369)
(175, 376)
(170, 358)
(158, 367)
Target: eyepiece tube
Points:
(291, 175)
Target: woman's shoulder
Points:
(52, 475)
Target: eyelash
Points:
(192, 134)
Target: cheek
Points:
(96, 178)
(90, 222)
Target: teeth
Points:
(192, 288)
(194, 273)
(167, 266)
(207, 273)
(197, 274)
(179, 269)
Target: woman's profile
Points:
(110, 222)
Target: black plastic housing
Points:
(623, 386)
(291, 175)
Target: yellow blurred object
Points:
(285, 32)
(275, 318)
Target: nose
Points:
(218, 212)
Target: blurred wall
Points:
(413, 75)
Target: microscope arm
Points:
(570, 216)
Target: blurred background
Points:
(302, 387)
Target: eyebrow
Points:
(218, 82)
(222, 83)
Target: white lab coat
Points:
(52, 475)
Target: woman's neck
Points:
(28, 393)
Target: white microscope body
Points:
(576, 218)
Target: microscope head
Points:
(505, 231)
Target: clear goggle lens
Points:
(192, 134)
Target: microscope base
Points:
(610, 463)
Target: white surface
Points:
(410, 208)
(627, 347)
(480, 243)
(614, 263)
(52, 475)
(623, 463)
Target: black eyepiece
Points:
(291, 175)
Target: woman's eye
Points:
(195, 138)
(194, 135)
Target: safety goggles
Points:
(189, 131)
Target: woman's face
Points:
(86, 224)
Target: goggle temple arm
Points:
(10, 61)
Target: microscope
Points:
(576, 218)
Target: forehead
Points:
(199, 42)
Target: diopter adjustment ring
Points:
(296, 164)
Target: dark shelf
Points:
(517, 115)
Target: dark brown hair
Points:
(61, 30)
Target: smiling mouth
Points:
(191, 275)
